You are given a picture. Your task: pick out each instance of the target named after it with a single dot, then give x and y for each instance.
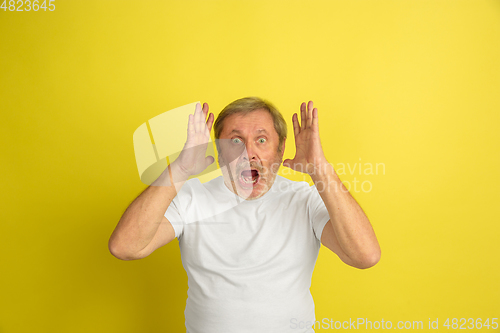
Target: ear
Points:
(283, 147)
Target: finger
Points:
(296, 126)
(190, 125)
(205, 113)
(309, 114)
(315, 124)
(210, 122)
(197, 118)
(303, 115)
(205, 110)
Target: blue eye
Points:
(262, 140)
(236, 140)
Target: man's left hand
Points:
(309, 157)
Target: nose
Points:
(250, 153)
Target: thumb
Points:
(209, 160)
(288, 163)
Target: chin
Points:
(254, 190)
(249, 182)
(251, 193)
(255, 194)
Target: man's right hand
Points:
(143, 227)
(192, 160)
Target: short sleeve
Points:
(174, 216)
(317, 212)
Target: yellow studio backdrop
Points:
(408, 94)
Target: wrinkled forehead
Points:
(250, 122)
(254, 123)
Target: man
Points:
(249, 240)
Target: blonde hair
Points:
(247, 105)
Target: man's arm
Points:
(348, 233)
(143, 227)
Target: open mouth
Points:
(249, 177)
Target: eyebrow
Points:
(239, 132)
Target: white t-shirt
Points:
(249, 263)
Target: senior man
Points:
(249, 239)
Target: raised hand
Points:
(192, 160)
(309, 157)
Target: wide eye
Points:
(261, 140)
(236, 141)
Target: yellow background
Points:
(411, 84)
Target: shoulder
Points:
(285, 186)
(193, 188)
(212, 185)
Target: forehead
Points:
(255, 122)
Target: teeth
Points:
(249, 180)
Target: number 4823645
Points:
(27, 5)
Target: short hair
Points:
(245, 106)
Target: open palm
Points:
(309, 154)
(192, 159)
